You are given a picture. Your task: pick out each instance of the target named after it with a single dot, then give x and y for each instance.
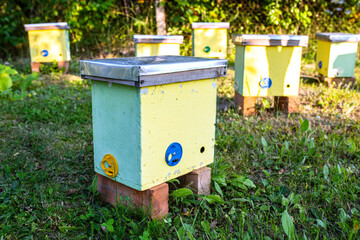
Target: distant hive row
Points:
(335, 58)
(265, 65)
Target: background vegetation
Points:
(104, 27)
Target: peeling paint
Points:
(192, 90)
(143, 91)
(109, 84)
(214, 84)
(162, 92)
(181, 85)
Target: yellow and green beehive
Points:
(153, 117)
(209, 39)
(268, 65)
(336, 54)
(157, 45)
(49, 42)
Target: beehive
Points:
(268, 65)
(209, 39)
(157, 45)
(336, 54)
(154, 115)
(49, 42)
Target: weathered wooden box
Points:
(336, 54)
(209, 39)
(153, 117)
(268, 65)
(157, 45)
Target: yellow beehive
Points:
(157, 45)
(153, 117)
(49, 42)
(268, 65)
(209, 39)
(336, 54)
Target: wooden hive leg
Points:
(245, 105)
(154, 199)
(64, 64)
(287, 104)
(198, 180)
(35, 67)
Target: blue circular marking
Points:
(173, 154)
(44, 53)
(265, 83)
(320, 64)
(206, 49)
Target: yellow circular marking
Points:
(109, 165)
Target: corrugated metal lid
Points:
(158, 39)
(338, 37)
(143, 69)
(210, 25)
(46, 26)
(270, 40)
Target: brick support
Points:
(245, 105)
(198, 180)
(336, 81)
(154, 199)
(287, 104)
(35, 66)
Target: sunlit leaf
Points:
(5, 82)
(213, 199)
(181, 192)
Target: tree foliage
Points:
(103, 27)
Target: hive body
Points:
(280, 64)
(336, 59)
(137, 122)
(209, 40)
(156, 49)
(157, 45)
(268, 65)
(214, 39)
(49, 42)
(136, 126)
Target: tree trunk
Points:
(160, 17)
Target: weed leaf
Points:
(249, 183)
(220, 179)
(181, 192)
(311, 147)
(288, 225)
(305, 125)
(264, 143)
(326, 172)
(94, 184)
(213, 199)
(218, 188)
(321, 223)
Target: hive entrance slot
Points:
(202, 149)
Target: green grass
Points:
(275, 174)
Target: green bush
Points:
(105, 27)
(13, 85)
